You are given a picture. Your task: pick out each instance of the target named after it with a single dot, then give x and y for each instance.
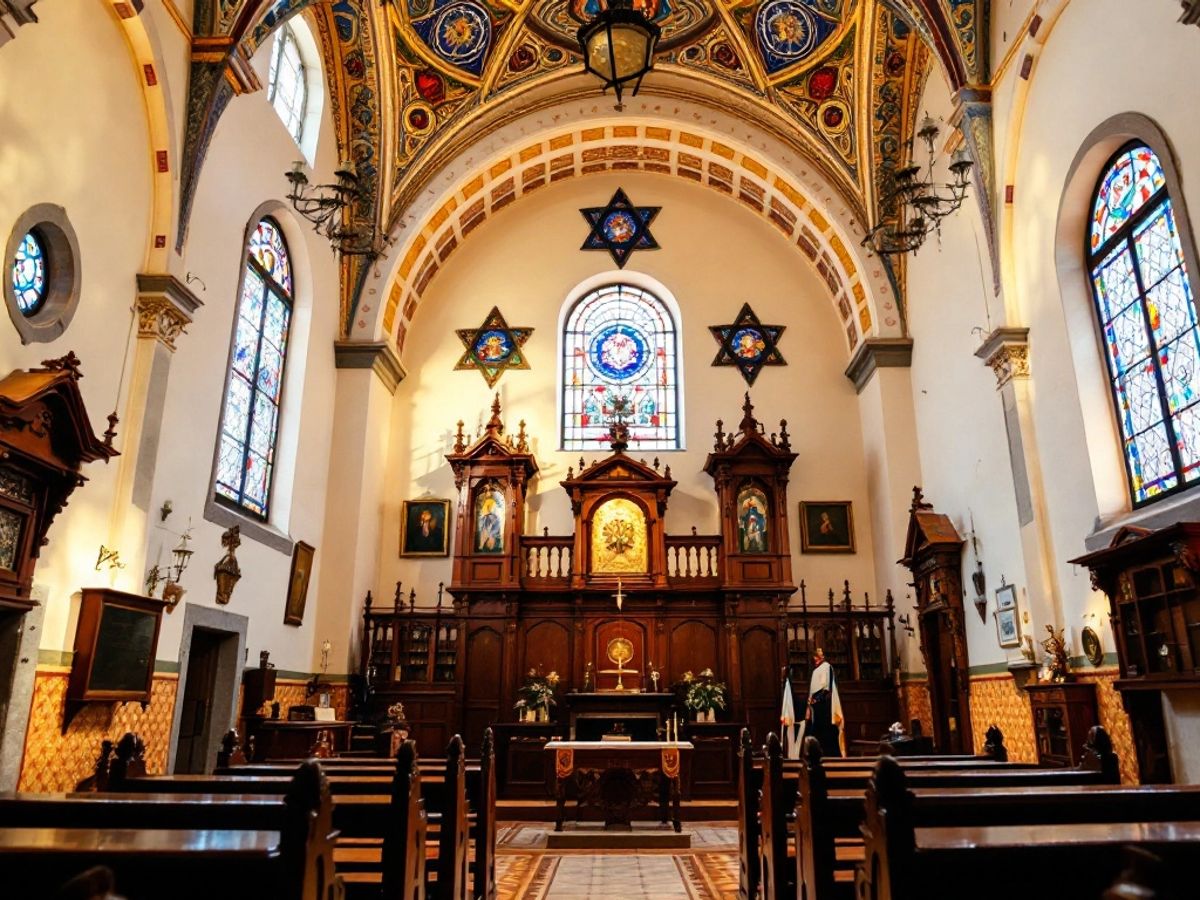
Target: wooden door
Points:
(945, 696)
(195, 719)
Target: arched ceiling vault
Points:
(413, 82)
(700, 145)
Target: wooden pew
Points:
(824, 817)
(292, 861)
(750, 787)
(787, 801)
(905, 859)
(480, 785)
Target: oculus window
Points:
(1148, 323)
(620, 341)
(250, 416)
(29, 281)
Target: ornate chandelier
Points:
(618, 46)
(325, 205)
(920, 204)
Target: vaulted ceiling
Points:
(411, 81)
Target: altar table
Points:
(619, 776)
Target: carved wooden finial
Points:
(441, 587)
(581, 465)
(545, 531)
(111, 431)
(667, 472)
(412, 599)
(570, 472)
(918, 500)
(460, 439)
(748, 421)
(656, 462)
(785, 440)
(399, 596)
(719, 436)
(495, 423)
(522, 438)
(69, 363)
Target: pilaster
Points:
(1006, 352)
(164, 306)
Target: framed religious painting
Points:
(489, 511)
(752, 520)
(297, 595)
(1008, 624)
(424, 527)
(826, 526)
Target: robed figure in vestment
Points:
(823, 718)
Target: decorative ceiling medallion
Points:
(493, 347)
(788, 32)
(620, 228)
(748, 344)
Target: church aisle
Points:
(526, 871)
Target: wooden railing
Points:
(546, 559)
(693, 558)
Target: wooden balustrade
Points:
(546, 559)
(693, 558)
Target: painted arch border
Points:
(715, 149)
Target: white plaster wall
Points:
(960, 420)
(246, 162)
(78, 140)
(716, 255)
(1160, 55)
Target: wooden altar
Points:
(522, 603)
(619, 778)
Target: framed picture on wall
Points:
(297, 595)
(1008, 623)
(826, 526)
(424, 527)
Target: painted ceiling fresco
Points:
(411, 79)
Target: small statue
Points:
(1056, 647)
(589, 679)
(654, 677)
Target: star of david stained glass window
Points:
(250, 417)
(1148, 322)
(620, 342)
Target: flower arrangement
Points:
(538, 691)
(703, 693)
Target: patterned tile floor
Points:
(527, 871)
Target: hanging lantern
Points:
(618, 46)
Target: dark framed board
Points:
(116, 642)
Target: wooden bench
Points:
(364, 811)
(46, 840)
(827, 822)
(904, 859)
(750, 783)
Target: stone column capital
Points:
(165, 306)
(1006, 350)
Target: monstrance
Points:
(620, 650)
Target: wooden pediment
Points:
(620, 469)
(493, 446)
(750, 442)
(928, 530)
(42, 414)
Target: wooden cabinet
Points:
(1062, 716)
(1152, 580)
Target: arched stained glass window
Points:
(29, 274)
(250, 419)
(620, 341)
(1148, 319)
(287, 89)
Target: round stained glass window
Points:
(29, 274)
(619, 352)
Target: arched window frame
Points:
(265, 284)
(293, 115)
(668, 309)
(1185, 470)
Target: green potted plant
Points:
(704, 695)
(536, 696)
